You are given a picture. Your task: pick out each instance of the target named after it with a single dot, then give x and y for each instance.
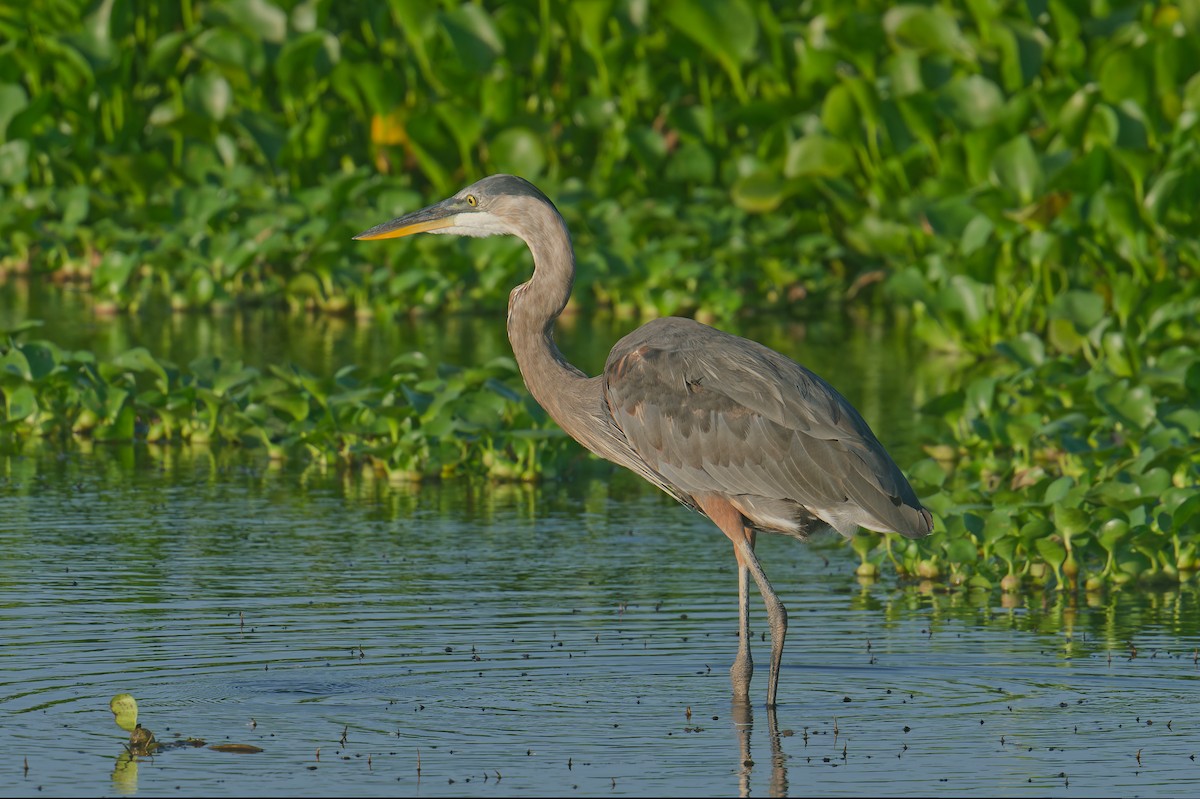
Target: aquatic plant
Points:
(1018, 183)
(971, 161)
(414, 421)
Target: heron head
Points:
(493, 206)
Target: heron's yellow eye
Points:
(471, 201)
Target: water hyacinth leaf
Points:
(980, 394)
(503, 390)
(13, 100)
(874, 235)
(120, 422)
(1015, 166)
(259, 18)
(951, 216)
(1135, 406)
(1070, 521)
(818, 156)
(961, 550)
(928, 472)
(839, 113)
(233, 377)
(1118, 492)
(1186, 516)
(972, 102)
(306, 56)
(1154, 481)
(1186, 419)
(929, 29)
(232, 49)
(465, 124)
(976, 234)
(42, 357)
(1051, 550)
(967, 296)
(998, 524)
(726, 29)
(139, 359)
(1058, 489)
(1159, 197)
(648, 146)
(15, 363)
(692, 163)
(14, 162)
(1112, 532)
(760, 192)
(1082, 308)
(518, 151)
(1121, 77)
(476, 40)
(20, 403)
(1027, 349)
(208, 94)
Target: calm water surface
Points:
(541, 641)
(568, 639)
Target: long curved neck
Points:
(557, 386)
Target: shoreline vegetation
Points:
(1016, 183)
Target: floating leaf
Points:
(125, 711)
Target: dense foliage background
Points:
(1018, 181)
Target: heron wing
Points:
(715, 413)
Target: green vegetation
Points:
(1015, 181)
(416, 421)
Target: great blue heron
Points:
(725, 425)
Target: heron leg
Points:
(743, 665)
(776, 615)
(734, 526)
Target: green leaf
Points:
(476, 39)
(13, 100)
(209, 94)
(43, 358)
(139, 359)
(14, 162)
(1133, 406)
(1082, 308)
(14, 362)
(1052, 551)
(20, 403)
(760, 192)
(692, 163)
(928, 29)
(727, 29)
(260, 18)
(972, 102)
(976, 234)
(1027, 349)
(818, 156)
(1015, 167)
(1058, 489)
(839, 113)
(518, 151)
(1070, 521)
(125, 711)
